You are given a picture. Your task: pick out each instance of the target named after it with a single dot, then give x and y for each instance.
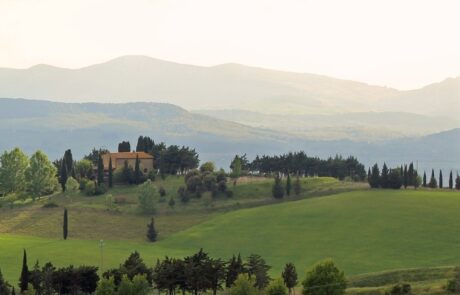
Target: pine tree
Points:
(151, 231)
(65, 225)
(451, 180)
(384, 178)
(288, 185)
(424, 179)
(24, 279)
(110, 173)
(137, 171)
(278, 189)
(406, 180)
(440, 179)
(100, 171)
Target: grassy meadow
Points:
(364, 231)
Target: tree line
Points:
(195, 274)
(300, 163)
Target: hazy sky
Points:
(399, 43)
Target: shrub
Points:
(171, 202)
(209, 181)
(278, 188)
(162, 191)
(50, 204)
(222, 186)
(328, 276)
(72, 185)
(151, 175)
(243, 286)
(194, 184)
(229, 193)
(89, 187)
(277, 287)
(100, 189)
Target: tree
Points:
(171, 202)
(140, 285)
(374, 180)
(110, 173)
(405, 176)
(457, 182)
(453, 285)
(147, 192)
(288, 185)
(13, 165)
(278, 189)
(236, 168)
(127, 173)
(4, 286)
(257, 267)
(289, 275)
(124, 146)
(276, 287)
(243, 286)
(40, 175)
(100, 171)
(424, 179)
(208, 167)
(384, 178)
(297, 186)
(451, 180)
(151, 231)
(63, 176)
(235, 267)
(137, 171)
(66, 169)
(84, 168)
(106, 286)
(215, 273)
(93, 156)
(35, 278)
(394, 179)
(24, 278)
(65, 225)
(440, 179)
(433, 183)
(324, 278)
(125, 287)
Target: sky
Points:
(404, 44)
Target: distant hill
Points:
(139, 78)
(357, 126)
(54, 127)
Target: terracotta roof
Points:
(130, 155)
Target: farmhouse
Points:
(119, 159)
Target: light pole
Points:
(101, 246)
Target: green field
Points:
(362, 230)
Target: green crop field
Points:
(363, 230)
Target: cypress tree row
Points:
(65, 225)
(24, 278)
(110, 173)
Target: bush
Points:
(400, 289)
(222, 186)
(243, 285)
(326, 274)
(100, 189)
(194, 184)
(277, 287)
(278, 188)
(184, 198)
(209, 181)
(208, 167)
(162, 191)
(171, 202)
(72, 185)
(229, 193)
(89, 187)
(50, 205)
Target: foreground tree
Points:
(24, 278)
(235, 267)
(440, 179)
(151, 231)
(424, 179)
(4, 286)
(289, 275)
(13, 166)
(324, 279)
(278, 189)
(40, 175)
(451, 180)
(457, 182)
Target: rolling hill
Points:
(55, 127)
(140, 78)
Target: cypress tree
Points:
(288, 185)
(24, 279)
(384, 178)
(63, 175)
(406, 180)
(151, 231)
(424, 179)
(65, 225)
(110, 173)
(433, 183)
(278, 189)
(289, 276)
(451, 180)
(440, 179)
(137, 171)
(410, 175)
(4, 286)
(100, 171)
